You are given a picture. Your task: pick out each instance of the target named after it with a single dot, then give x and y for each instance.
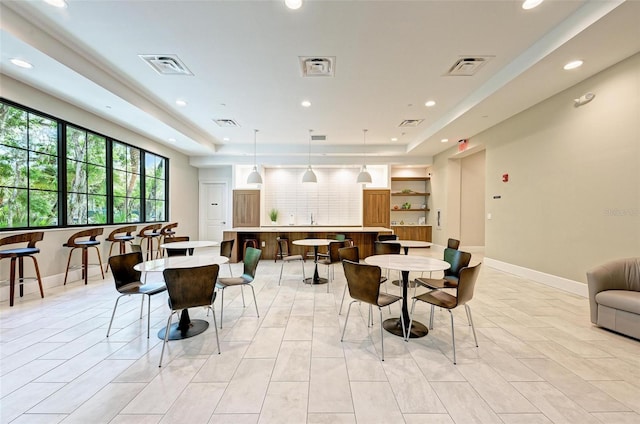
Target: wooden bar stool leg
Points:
(35, 265)
(66, 272)
(99, 261)
(12, 281)
(85, 263)
(21, 275)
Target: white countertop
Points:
(309, 229)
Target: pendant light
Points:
(254, 177)
(364, 176)
(309, 176)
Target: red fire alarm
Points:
(505, 178)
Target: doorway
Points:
(213, 210)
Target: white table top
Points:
(407, 263)
(159, 265)
(312, 242)
(410, 243)
(189, 244)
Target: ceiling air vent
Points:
(411, 122)
(318, 138)
(166, 64)
(467, 66)
(226, 123)
(317, 66)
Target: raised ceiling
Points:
(388, 59)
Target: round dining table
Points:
(186, 327)
(190, 245)
(406, 264)
(315, 243)
(406, 245)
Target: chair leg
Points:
(281, 267)
(453, 337)
(113, 314)
(99, 261)
(221, 305)
(242, 293)
(382, 333)
(166, 338)
(230, 270)
(215, 325)
(304, 277)
(12, 281)
(408, 330)
(35, 266)
(254, 300)
(347, 319)
(473, 328)
(66, 272)
(344, 293)
(109, 255)
(148, 314)
(433, 309)
(141, 307)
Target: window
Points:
(28, 169)
(126, 183)
(86, 177)
(55, 174)
(155, 176)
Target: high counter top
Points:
(309, 229)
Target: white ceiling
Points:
(390, 57)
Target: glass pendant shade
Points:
(254, 177)
(309, 176)
(364, 176)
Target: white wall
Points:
(573, 196)
(472, 199)
(183, 186)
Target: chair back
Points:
(283, 246)
(380, 248)
(363, 281)
(122, 230)
(334, 247)
(386, 237)
(153, 228)
(176, 252)
(457, 259)
(92, 233)
(467, 283)
(453, 244)
(251, 259)
(191, 287)
(30, 238)
(226, 247)
(349, 253)
(167, 230)
(122, 268)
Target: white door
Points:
(213, 210)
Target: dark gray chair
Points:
(387, 237)
(176, 252)
(363, 282)
(128, 283)
(463, 294)
(226, 249)
(283, 252)
(332, 258)
(190, 288)
(250, 260)
(453, 243)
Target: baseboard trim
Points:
(554, 281)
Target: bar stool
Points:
(167, 232)
(282, 248)
(249, 242)
(20, 253)
(122, 236)
(74, 244)
(148, 233)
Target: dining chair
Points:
(387, 237)
(127, 281)
(380, 248)
(226, 250)
(363, 282)
(176, 252)
(250, 260)
(463, 294)
(190, 288)
(283, 249)
(78, 241)
(17, 254)
(332, 258)
(352, 254)
(453, 243)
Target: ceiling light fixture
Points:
(364, 176)
(530, 4)
(180, 102)
(21, 63)
(305, 103)
(293, 4)
(444, 140)
(394, 138)
(573, 65)
(430, 103)
(309, 176)
(254, 177)
(57, 3)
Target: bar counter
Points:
(363, 237)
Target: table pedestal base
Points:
(398, 283)
(320, 280)
(394, 326)
(196, 326)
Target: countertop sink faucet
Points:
(312, 221)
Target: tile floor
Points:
(540, 360)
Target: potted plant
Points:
(273, 215)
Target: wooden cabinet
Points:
(413, 232)
(375, 208)
(246, 208)
(410, 207)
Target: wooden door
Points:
(246, 208)
(376, 207)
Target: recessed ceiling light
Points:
(394, 139)
(573, 65)
(293, 4)
(305, 103)
(430, 103)
(225, 139)
(21, 63)
(444, 140)
(172, 140)
(181, 102)
(108, 107)
(530, 4)
(57, 3)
